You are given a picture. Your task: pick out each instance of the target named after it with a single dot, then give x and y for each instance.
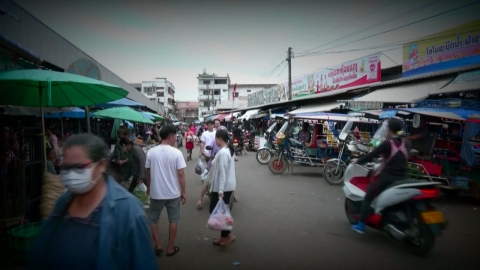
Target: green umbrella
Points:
(156, 116)
(124, 113)
(56, 89)
(45, 88)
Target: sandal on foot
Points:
(217, 244)
(158, 252)
(231, 241)
(175, 251)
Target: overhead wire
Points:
(378, 24)
(406, 25)
(446, 34)
(345, 24)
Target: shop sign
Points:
(459, 46)
(362, 71)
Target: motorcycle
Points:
(248, 140)
(334, 169)
(232, 197)
(265, 153)
(237, 147)
(403, 210)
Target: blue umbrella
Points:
(75, 113)
(149, 116)
(120, 103)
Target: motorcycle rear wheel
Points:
(350, 212)
(264, 156)
(278, 165)
(425, 241)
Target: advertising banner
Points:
(459, 46)
(362, 71)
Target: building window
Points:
(160, 94)
(205, 92)
(148, 90)
(236, 94)
(206, 104)
(220, 81)
(206, 82)
(217, 92)
(160, 88)
(248, 91)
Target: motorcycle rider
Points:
(238, 134)
(395, 154)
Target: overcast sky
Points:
(139, 40)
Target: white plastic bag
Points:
(221, 219)
(204, 175)
(200, 167)
(140, 192)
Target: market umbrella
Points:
(156, 116)
(124, 113)
(46, 88)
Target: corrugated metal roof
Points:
(466, 81)
(406, 93)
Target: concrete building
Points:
(159, 89)
(187, 111)
(243, 90)
(212, 90)
(25, 43)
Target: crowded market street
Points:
(298, 222)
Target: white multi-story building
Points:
(162, 90)
(212, 90)
(243, 90)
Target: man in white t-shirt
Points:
(166, 186)
(207, 137)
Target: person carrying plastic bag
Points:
(200, 167)
(221, 219)
(221, 189)
(140, 192)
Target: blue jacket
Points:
(125, 237)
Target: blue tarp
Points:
(120, 103)
(449, 113)
(75, 113)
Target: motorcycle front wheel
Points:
(278, 165)
(332, 175)
(263, 156)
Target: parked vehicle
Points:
(352, 148)
(403, 210)
(237, 147)
(265, 153)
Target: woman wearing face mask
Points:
(96, 224)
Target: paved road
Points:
(297, 222)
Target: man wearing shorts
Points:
(166, 186)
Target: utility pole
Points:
(289, 60)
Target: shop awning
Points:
(249, 114)
(221, 117)
(447, 113)
(229, 116)
(317, 107)
(399, 94)
(466, 81)
(210, 117)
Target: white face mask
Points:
(79, 181)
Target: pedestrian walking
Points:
(224, 180)
(166, 186)
(189, 143)
(207, 137)
(137, 164)
(96, 224)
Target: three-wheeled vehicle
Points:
(322, 146)
(445, 155)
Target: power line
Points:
(408, 24)
(397, 43)
(354, 20)
(373, 26)
(383, 53)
